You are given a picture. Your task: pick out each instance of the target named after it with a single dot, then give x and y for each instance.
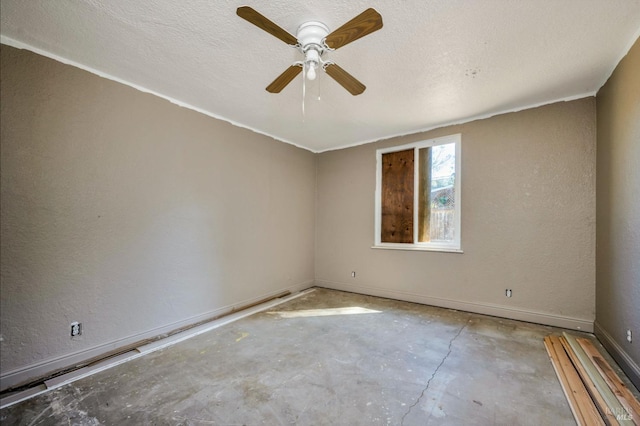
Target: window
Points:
(418, 196)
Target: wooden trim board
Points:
(597, 398)
(580, 402)
(619, 389)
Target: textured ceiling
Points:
(434, 62)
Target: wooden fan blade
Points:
(345, 79)
(360, 26)
(260, 21)
(283, 79)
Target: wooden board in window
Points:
(397, 197)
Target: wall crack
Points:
(434, 373)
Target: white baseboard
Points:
(628, 365)
(44, 368)
(479, 308)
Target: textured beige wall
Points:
(128, 213)
(528, 220)
(618, 207)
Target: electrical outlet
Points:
(353, 274)
(76, 329)
(507, 292)
(629, 336)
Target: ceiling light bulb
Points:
(311, 74)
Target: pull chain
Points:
(304, 88)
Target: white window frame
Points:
(453, 246)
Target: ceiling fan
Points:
(314, 40)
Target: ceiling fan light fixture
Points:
(311, 74)
(311, 62)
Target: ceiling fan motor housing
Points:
(311, 36)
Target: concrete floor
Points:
(326, 358)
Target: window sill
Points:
(417, 248)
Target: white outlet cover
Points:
(76, 329)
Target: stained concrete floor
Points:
(326, 358)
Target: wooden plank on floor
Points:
(581, 404)
(614, 406)
(619, 389)
(579, 364)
